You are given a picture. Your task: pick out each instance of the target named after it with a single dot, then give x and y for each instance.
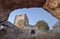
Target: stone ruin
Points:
(21, 30)
(22, 22)
(6, 6)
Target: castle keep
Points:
(21, 20)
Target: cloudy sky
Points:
(34, 15)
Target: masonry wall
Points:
(21, 20)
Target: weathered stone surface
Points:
(25, 34)
(21, 20)
(3, 15)
(53, 6)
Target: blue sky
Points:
(34, 15)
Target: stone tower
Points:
(21, 20)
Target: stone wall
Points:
(21, 20)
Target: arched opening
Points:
(5, 6)
(34, 15)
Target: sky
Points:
(34, 15)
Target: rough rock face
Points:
(53, 6)
(6, 6)
(3, 15)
